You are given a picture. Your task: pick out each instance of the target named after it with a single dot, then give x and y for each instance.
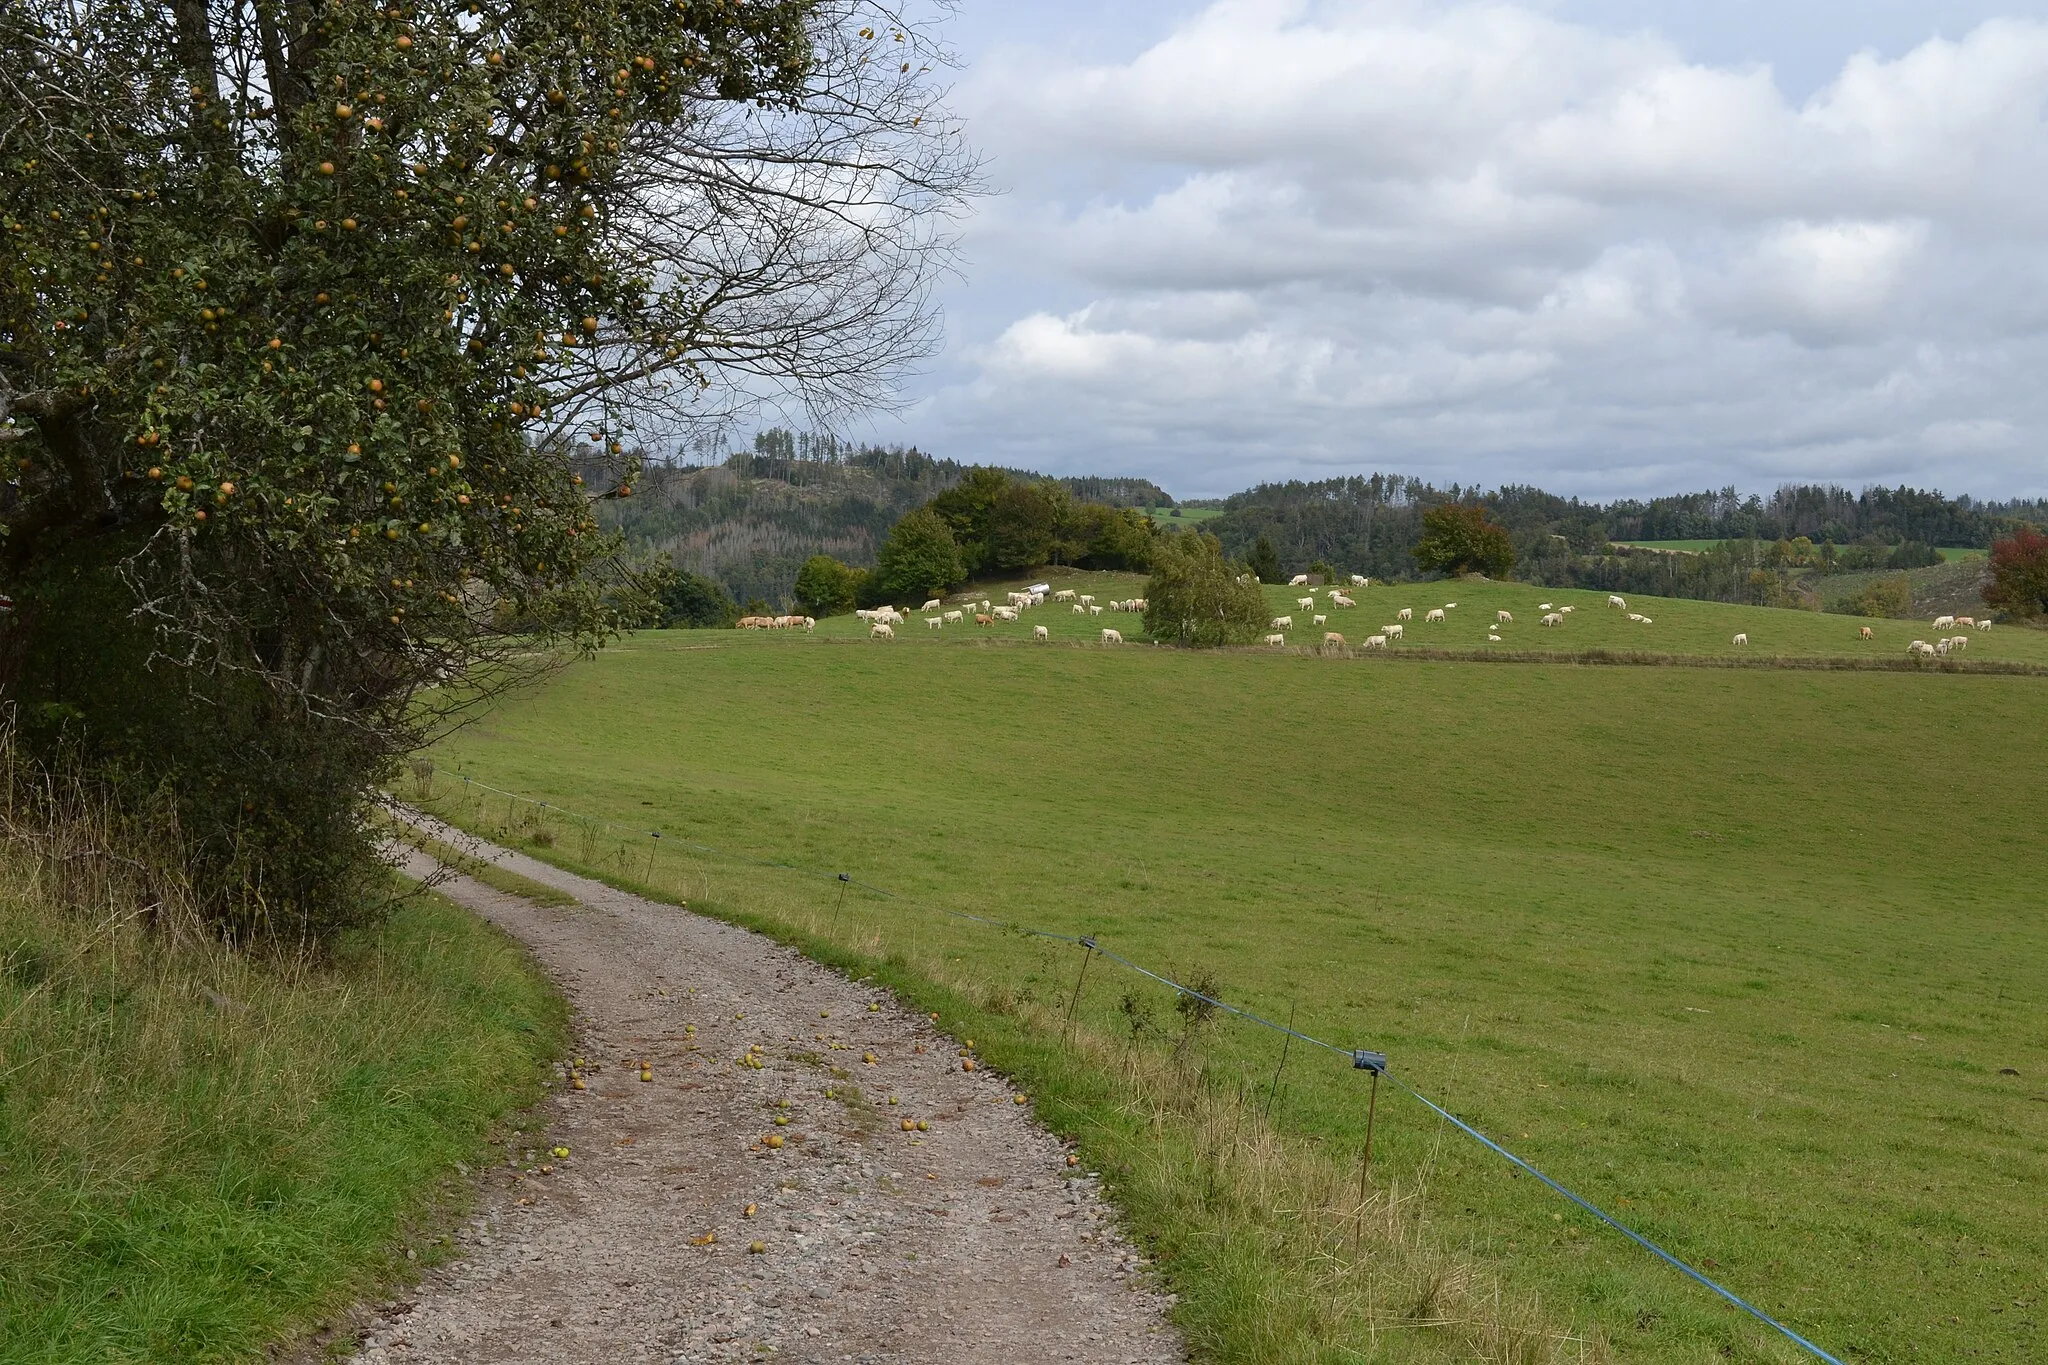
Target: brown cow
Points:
(983, 619)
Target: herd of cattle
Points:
(882, 621)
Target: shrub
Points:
(1264, 562)
(825, 587)
(2019, 573)
(1891, 596)
(1458, 538)
(920, 558)
(1198, 598)
(693, 602)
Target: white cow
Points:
(1305, 603)
(1276, 639)
(1503, 616)
(1491, 636)
(1637, 616)
(1646, 621)
(935, 622)
(1063, 595)
(1087, 599)
(1944, 622)
(1080, 610)
(1321, 620)
(1566, 610)
(1298, 580)
(953, 618)
(1375, 642)
(1004, 613)
(1041, 633)
(1742, 639)
(1984, 624)
(1405, 614)
(1551, 618)
(1958, 642)
(1094, 610)
(932, 605)
(1943, 645)
(1281, 623)
(1392, 632)
(1359, 580)
(1338, 599)
(1435, 614)
(1544, 606)
(1112, 637)
(882, 631)
(1614, 601)
(1920, 647)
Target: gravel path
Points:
(759, 1198)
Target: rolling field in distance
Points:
(1951, 553)
(1752, 958)
(1676, 626)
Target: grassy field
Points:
(1751, 957)
(1676, 626)
(200, 1155)
(1951, 553)
(1189, 516)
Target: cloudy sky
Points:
(1611, 248)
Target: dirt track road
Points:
(968, 1241)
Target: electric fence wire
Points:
(1360, 1058)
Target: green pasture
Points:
(1753, 958)
(1189, 516)
(1676, 626)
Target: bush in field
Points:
(691, 601)
(1892, 596)
(1263, 562)
(1198, 598)
(919, 559)
(825, 587)
(2019, 573)
(1458, 538)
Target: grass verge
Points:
(483, 870)
(202, 1155)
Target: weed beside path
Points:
(201, 1155)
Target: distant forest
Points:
(752, 520)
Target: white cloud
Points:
(1474, 241)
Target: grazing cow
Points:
(1984, 624)
(1494, 638)
(1094, 610)
(1063, 595)
(954, 618)
(1944, 622)
(1503, 616)
(1320, 620)
(1405, 614)
(1865, 633)
(1920, 647)
(1614, 601)
(1966, 621)
(932, 605)
(1138, 604)
(1297, 580)
(1941, 646)
(1958, 642)
(1375, 642)
(982, 618)
(1551, 618)
(1005, 613)
(1112, 637)
(1392, 632)
(1435, 614)
(882, 630)
(935, 622)
(1080, 610)
(1338, 599)
(1087, 599)
(1358, 580)
(755, 623)
(1041, 633)
(1276, 639)
(1331, 637)
(1742, 639)
(1281, 623)
(1305, 603)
